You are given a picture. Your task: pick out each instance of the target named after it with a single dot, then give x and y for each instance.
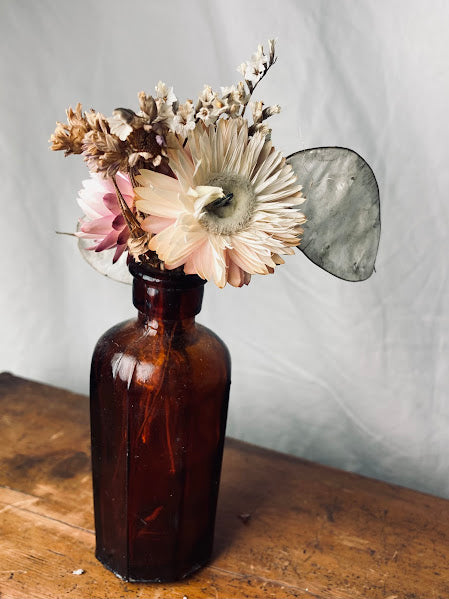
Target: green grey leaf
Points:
(342, 231)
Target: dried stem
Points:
(252, 87)
(132, 177)
(134, 227)
(133, 224)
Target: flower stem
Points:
(133, 224)
(252, 87)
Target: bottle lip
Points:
(164, 278)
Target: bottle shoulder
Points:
(147, 343)
(213, 340)
(118, 335)
(194, 356)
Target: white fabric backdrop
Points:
(349, 374)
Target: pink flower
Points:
(103, 221)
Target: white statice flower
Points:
(233, 99)
(118, 126)
(184, 120)
(235, 94)
(207, 96)
(165, 98)
(207, 115)
(232, 210)
(260, 114)
(165, 114)
(165, 93)
(218, 109)
(242, 69)
(257, 111)
(263, 130)
(228, 90)
(259, 60)
(241, 96)
(251, 73)
(272, 50)
(275, 109)
(253, 70)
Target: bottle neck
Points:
(165, 296)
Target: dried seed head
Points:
(105, 153)
(69, 137)
(138, 246)
(147, 105)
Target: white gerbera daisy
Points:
(230, 213)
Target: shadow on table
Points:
(253, 491)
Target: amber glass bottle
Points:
(159, 398)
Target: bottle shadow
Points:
(252, 492)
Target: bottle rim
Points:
(164, 278)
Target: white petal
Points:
(166, 204)
(148, 178)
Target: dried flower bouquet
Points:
(198, 188)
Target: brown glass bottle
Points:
(159, 398)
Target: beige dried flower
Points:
(260, 128)
(165, 115)
(125, 142)
(230, 213)
(270, 110)
(207, 116)
(69, 136)
(138, 246)
(165, 94)
(146, 146)
(260, 114)
(103, 151)
(257, 108)
(124, 121)
(184, 120)
(158, 112)
(147, 106)
(257, 67)
(207, 96)
(233, 99)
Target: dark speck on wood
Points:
(245, 518)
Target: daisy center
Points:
(233, 211)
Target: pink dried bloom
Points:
(103, 221)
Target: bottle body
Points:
(159, 397)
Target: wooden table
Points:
(313, 531)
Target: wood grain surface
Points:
(312, 531)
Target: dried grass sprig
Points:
(70, 136)
(261, 114)
(103, 151)
(256, 69)
(125, 142)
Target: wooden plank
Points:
(313, 531)
(39, 556)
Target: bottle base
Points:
(151, 578)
